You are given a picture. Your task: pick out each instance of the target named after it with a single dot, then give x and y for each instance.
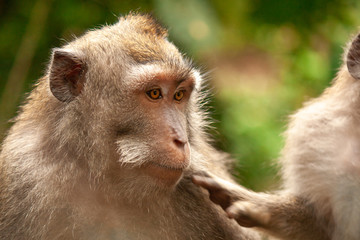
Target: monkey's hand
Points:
(282, 215)
(239, 203)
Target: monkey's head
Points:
(125, 99)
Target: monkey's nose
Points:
(182, 146)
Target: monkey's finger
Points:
(206, 182)
(203, 174)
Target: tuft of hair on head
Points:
(146, 24)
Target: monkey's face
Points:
(132, 94)
(155, 142)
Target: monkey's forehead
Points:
(134, 39)
(143, 73)
(145, 50)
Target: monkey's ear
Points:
(353, 58)
(67, 75)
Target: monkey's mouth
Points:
(168, 175)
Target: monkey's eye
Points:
(179, 95)
(154, 94)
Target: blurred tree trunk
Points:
(19, 71)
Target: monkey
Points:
(320, 197)
(105, 144)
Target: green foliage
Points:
(195, 30)
(269, 57)
(252, 127)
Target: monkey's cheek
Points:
(164, 175)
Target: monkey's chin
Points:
(165, 175)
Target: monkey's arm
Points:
(284, 216)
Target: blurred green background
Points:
(263, 59)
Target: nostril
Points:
(178, 143)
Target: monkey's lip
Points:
(168, 175)
(167, 167)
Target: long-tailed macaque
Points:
(321, 169)
(105, 145)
